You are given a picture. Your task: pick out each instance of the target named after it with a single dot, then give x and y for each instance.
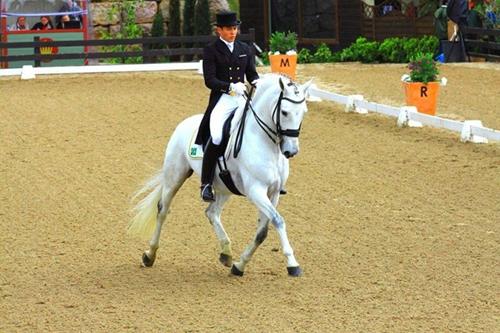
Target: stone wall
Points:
(102, 21)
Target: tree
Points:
(188, 24)
(202, 24)
(174, 24)
(157, 30)
(188, 18)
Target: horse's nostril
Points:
(287, 154)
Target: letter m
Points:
(285, 62)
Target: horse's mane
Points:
(269, 84)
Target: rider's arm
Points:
(209, 72)
(251, 72)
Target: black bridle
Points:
(274, 135)
(294, 133)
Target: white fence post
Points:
(27, 72)
(466, 134)
(404, 119)
(351, 104)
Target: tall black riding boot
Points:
(208, 171)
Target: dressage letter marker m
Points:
(285, 62)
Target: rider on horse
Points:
(225, 64)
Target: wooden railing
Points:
(388, 20)
(483, 43)
(148, 48)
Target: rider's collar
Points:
(229, 45)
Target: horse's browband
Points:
(294, 102)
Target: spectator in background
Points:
(473, 18)
(457, 12)
(44, 24)
(70, 6)
(441, 21)
(62, 22)
(20, 24)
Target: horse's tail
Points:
(145, 211)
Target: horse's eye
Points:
(284, 113)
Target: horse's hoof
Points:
(294, 271)
(146, 261)
(226, 260)
(236, 271)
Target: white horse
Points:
(260, 170)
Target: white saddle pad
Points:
(195, 151)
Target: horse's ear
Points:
(307, 85)
(282, 85)
(305, 88)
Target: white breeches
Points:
(221, 112)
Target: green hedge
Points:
(391, 50)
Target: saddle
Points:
(195, 151)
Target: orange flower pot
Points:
(284, 64)
(422, 96)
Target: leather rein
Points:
(274, 135)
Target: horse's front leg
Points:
(213, 213)
(267, 208)
(262, 228)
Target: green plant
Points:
(264, 56)
(361, 50)
(428, 44)
(304, 56)
(336, 57)
(392, 50)
(234, 5)
(322, 54)
(410, 47)
(128, 29)
(400, 50)
(282, 42)
(423, 68)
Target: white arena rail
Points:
(470, 131)
(29, 72)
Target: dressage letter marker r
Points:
(423, 91)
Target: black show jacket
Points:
(220, 69)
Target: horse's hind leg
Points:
(172, 182)
(213, 213)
